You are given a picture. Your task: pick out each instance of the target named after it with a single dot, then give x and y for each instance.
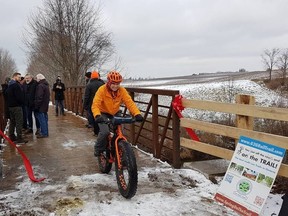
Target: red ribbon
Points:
(26, 161)
(178, 107)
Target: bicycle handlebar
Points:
(117, 120)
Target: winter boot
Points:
(20, 140)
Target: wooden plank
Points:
(280, 114)
(283, 171)
(207, 148)
(233, 132)
(220, 152)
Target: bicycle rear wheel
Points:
(104, 162)
(126, 171)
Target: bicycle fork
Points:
(119, 137)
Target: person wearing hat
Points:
(59, 88)
(90, 91)
(106, 104)
(87, 77)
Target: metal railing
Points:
(159, 134)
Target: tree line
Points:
(276, 59)
(65, 38)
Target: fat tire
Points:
(127, 186)
(103, 162)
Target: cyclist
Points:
(106, 104)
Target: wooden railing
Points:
(244, 122)
(160, 132)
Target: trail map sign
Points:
(250, 176)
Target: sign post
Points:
(250, 176)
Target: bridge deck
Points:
(67, 151)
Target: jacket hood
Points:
(44, 82)
(11, 82)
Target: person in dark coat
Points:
(90, 91)
(42, 97)
(87, 77)
(15, 101)
(23, 86)
(4, 88)
(59, 89)
(30, 89)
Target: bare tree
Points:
(68, 38)
(269, 58)
(282, 63)
(7, 65)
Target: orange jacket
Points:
(103, 101)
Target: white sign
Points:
(250, 176)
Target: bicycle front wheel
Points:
(126, 171)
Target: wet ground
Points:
(52, 154)
(67, 151)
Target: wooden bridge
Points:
(163, 132)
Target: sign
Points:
(250, 176)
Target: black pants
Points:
(104, 131)
(284, 208)
(16, 121)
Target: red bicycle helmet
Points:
(114, 76)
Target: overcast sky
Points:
(160, 38)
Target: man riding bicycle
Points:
(106, 104)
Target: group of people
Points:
(31, 96)
(102, 101)
(25, 97)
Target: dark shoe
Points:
(97, 153)
(37, 132)
(89, 126)
(20, 140)
(12, 137)
(28, 131)
(41, 136)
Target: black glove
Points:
(139, 118)
(99, 119)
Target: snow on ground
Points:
(216, 91)
(162, 190)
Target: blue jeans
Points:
(43, 120)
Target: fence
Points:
(160, 132)
(245, 111)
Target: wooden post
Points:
(245, 122)
(176, 140)
(155, 129)
(132, 126)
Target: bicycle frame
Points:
(120, 136)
